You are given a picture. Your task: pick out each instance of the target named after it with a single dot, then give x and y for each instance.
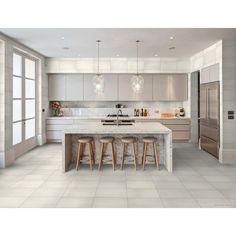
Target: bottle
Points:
(137, 112)
(142, 112)
(145, 112)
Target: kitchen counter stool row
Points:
(109, 140)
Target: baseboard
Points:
(228, 156)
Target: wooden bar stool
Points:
(146, 142)
(82, 142)
(128, 140)
(104, 141)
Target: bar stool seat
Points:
(125, 141)
(82, 141)
(104, 141)
(85, 139)
(107, 139)
(146, 141)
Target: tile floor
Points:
(198, 180)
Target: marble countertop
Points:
(136, 128)
(114, 118)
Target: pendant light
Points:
(137, 81)
(98, 80)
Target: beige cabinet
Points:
(170, 87)
(56, 87)
(110, 92)
(210, 74)
(74, 87)
(126, 92)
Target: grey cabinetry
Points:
(74, 87)
(126, 92)
(110, 88)
(170, 87)
(210, 74)
(56, 87)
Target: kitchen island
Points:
(97, 130)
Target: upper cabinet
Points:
(110, 88)
(126, 92)
(56, 87)
(210, 74)
(80, 87)
(65, 87)
(170, 87)
(74, 87)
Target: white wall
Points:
(118, 65)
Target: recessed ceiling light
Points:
(172, 48)
(156, 55)
(78, 55)
(62, 38)
(117, 55)
(171, 37)
(65, 48)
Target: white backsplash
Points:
(105, 108)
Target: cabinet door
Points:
(125, 89)
(110, 88)
(146, 94)
(178, 87)
(56, 87)
(214, 73)
(74, 87)
(205, 75)
(161, 87)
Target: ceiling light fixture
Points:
(62, 38)
(65, 48)
(137, 80)
(172, 48)
(98, 80)
(156, 55)
(171, 37)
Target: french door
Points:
(24, 102)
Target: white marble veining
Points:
(136, 128)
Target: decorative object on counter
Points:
(137, 80)
(145, 113)
(137, 112)
(167, 115)
(141, 114)
(56, 107)
(180, 112)
(120, 105)
(98, 80)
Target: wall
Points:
(7, 155)
(229, 100)
(118, 65)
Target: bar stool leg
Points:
(144, 156)
(156, 155)
(134, 157)
(101, 156)
(113, 156)
(90, 156)
(92, 146)
(123, 156)
(78, 155)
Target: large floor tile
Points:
(214, 203)
(111, 192)
(11, 202)
(169, 185)
(199, 193)
(74, 202)
(142, 193)
(174, 193)
(81, 192)
(16, 192)
(40, 202)
(140, 184)
(179, 203)
(198, 185)
(48, 192)
(109, 202)
(144, 203)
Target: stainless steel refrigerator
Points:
(209, 118)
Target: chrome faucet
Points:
(117, 116)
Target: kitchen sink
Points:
(116, 124)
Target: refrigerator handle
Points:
(206, 103)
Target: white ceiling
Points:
(82, 42)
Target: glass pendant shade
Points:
(137, 83)
(98, 83)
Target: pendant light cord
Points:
(98, 41)
(137, 55)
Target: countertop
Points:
(136, 128)
(114, 118)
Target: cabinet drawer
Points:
(180, 135)
(178, 127)
(175, 121)
(54, 135)
(59, 122)
(58, 127)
